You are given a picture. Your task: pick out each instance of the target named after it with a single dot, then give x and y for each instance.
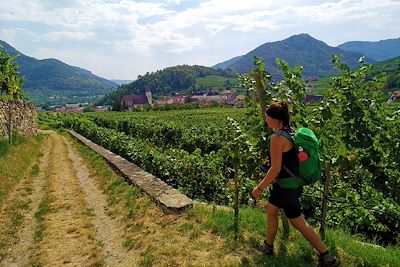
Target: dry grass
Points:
(155, 238)
(16, 167)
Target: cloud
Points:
(214, 28)
(66, 35)
(164, 41)
(176, 2)
(90, 61)
(181, 30)
(172, 31)
(347, 10)
(10, 34)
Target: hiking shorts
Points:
(286, 199)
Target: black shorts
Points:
(286, 199)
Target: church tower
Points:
(149, 97)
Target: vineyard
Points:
(201, 151)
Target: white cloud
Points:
(176, 2)
(65, 35)
(214, 28)
(178, 30)
(12, 34)
(9, 35)
(90, 61)
(347, 10)
(164, 41)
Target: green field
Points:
(216, 83)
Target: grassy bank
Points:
(18, 164)
(352, 250)
(16, 160)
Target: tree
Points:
(88, 109)
(116, 105)
(10, 81)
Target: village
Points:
(129, 102)
(199, 98)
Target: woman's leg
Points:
(272, 213)
(309, 233)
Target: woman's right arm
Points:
(276, 149)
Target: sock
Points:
(324, 253)
(265, 242)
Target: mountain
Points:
(121, 82)
(302, 49)
(227, 63)
(378, 51)
(54, 81)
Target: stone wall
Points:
(170, 199)
(23, 118)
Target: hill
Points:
(53, 80)
(378, 51)
(175, 80)
(302, 49)
(392, 68)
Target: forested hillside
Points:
(392, 69)
(51, 77)
(170, 81)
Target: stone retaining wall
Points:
(23, 118)
(168, 198)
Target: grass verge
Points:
(351, 249)
(17, 168)
(15, 163)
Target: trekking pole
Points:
(325, 200)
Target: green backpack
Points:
(310, 168)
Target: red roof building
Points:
(137, 100)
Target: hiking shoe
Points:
(267, 249)
(328, 260)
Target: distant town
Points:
(227, 97)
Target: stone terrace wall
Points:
(23, 118)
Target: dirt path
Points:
(74, 229)
(59, 215)
(108, 230)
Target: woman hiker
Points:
(282, 152)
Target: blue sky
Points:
(121, 39)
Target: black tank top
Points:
(289, 159)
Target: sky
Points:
(121, 39)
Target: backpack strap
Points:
(285, 134)
(293, 181)
(291, 138)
